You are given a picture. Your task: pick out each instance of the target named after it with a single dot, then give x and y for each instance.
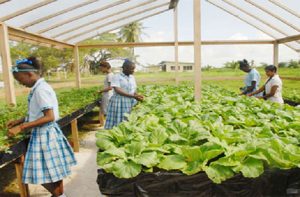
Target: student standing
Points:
(252, 78)
(49, 156)
(107, 90)
(125, 95)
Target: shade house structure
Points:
(65, 24)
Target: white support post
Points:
(6, 63)
(275, 54)
(76, 66)
(197, 49)
(176, 44)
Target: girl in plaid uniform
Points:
(124, 97)
(49, 155)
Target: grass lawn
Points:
(227, 78)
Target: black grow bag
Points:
(291, 103)
(175, 184)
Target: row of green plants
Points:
(69, 101)
(223, 135)
(292, 95)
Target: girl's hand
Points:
(139, 97)
(13, 123)
(249, 95)
(14, 131)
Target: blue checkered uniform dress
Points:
(120, 105)
(49, 156)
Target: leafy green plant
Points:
(69, 101)
(223, 135)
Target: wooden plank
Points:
(284, 7)
(275, 55)
(19, 165)
(18, 39)
(248, 22)
(75, 137)
(26, 10)
(289, 39)
(236, 42)
(114, 21)
(197, 49)
(97, 10)
(175, 15)
(180, 43)
(16, 32)
(77, 66)
(272, 13)
(3, 1)
(103, 18)
(64, 11)
(9, 87)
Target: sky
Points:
(215, 23)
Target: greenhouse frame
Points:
(62, 29)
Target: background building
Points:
(168, 66)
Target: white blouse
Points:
(41, 97)
(126, 83)
(275, 81)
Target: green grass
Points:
(226, 78)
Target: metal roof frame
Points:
(173, 3)
(20, 33)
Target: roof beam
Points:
(289, 39)
(114, 28)
(57, 14)
(19, 33)
(103, 18)
(115, 21)
(274, 15)
(82, 15)
(246, 21)
(3, 1)
(182, 43)
(255, 17)
(25, 10)
(284, 7)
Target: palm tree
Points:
(132, 33)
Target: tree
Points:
(94, 56)
(293, 64)
(232, 65)
(51, 57)
(282, 64)
(132, 33)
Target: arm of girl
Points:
(106, 89)
(121, 92)
(48, 117)
(257, 91)
(272, 93)
(140, 97)
(13, 123)
(250, 88)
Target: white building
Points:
(168, 66)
